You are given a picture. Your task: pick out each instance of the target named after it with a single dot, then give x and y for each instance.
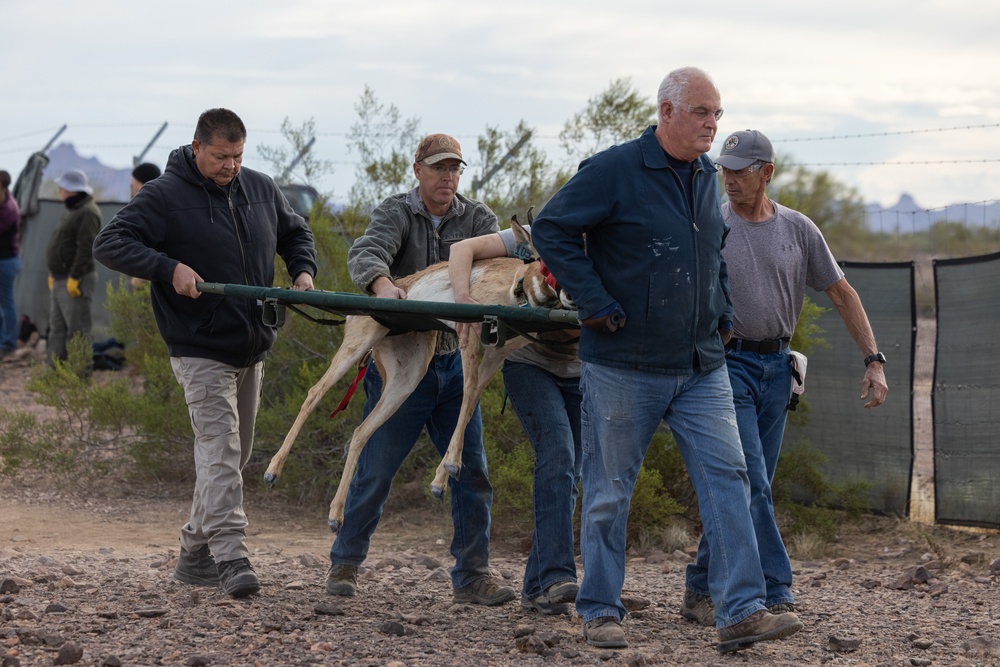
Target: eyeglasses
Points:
(453, 169)
(752, 169)
(702, 114)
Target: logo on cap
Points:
(732, 142)
(437, 147)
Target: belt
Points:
(757, 346)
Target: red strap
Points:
(549, 278)
(354, 386)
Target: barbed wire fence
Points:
(984, 213)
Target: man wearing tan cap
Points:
(406, 233)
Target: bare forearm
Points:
(848, 304)
(460, 271)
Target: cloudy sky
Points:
(870, 91)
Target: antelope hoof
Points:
(453, 470)
(334, 526)
(437, 492)
(270, 478)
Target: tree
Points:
(617, 114)
(385, 142)
(835, 208)
(515, 174)
(298, 151)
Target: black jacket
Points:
(227, 235)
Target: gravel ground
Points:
(85, 578)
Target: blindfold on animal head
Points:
(545, 292)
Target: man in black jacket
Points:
(207, 220)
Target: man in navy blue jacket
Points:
(208, 220)
(636, 238)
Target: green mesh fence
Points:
(966, 398)
(875, 445)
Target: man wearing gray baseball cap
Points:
(772, 253)
(70, 260)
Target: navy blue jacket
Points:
(227, 235)
(649, 249)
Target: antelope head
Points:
(539, 287)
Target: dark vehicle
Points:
(301, 197)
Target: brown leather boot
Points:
(758, 627)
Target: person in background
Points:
(406, 233)
(206, 219)
(543, 382)
(142, 174)
(772, 253)
(70, 260)
(636, 237)
(10, 264)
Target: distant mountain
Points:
(908, 216)
(904, 216)
(110, 184)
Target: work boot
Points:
(483, 591)
(605, 632)
(556, 599)
(758, 627)
(238, 578)
(197, 568)
(342, 580)
(781, 608)
(698, 608)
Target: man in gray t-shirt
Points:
(772, 254)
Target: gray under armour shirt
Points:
(770, 263)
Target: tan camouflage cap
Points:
(437, 147)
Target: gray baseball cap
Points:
(742, 149)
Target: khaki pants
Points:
(222, 401)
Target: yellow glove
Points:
(73, 287)
(52, 281)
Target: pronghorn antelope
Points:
(402, 360)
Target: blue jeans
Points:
(761, 389)
(435, 403)
(8, 311)
(549, 409)
(621, 411)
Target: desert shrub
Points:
(76, 442)
(807, 501)
(21, 442)
(141, 416)
(652, 507)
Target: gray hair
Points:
(674, 84)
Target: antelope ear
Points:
(522, 234)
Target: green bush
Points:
(74, 444)
(808, 502)
(21, 443)
(137, 421)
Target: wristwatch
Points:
(878, 356)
